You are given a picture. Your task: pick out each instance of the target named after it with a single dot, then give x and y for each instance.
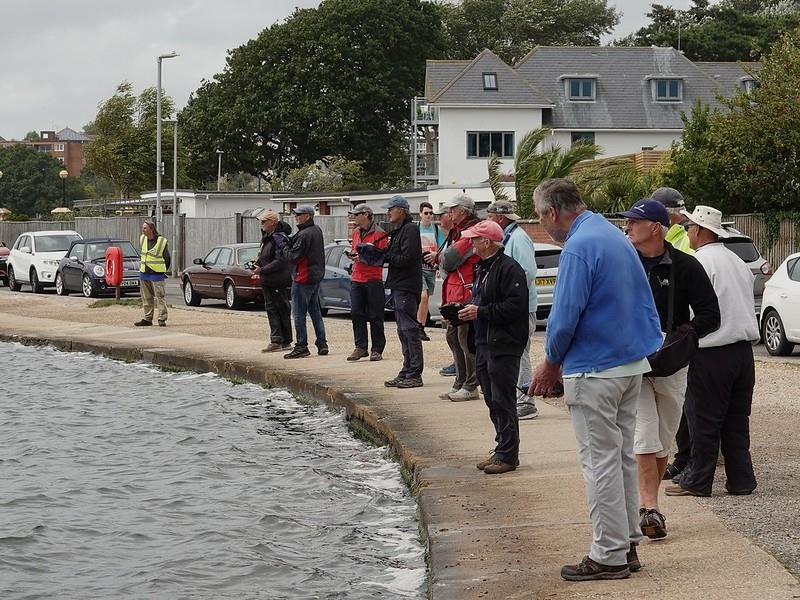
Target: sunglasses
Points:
(427, 212)
(688, 225)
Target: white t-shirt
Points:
(733, 284)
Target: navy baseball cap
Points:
(396, 202)
(647, 209)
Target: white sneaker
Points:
(446, 395)
(463, 395)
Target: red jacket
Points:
(458, 260)
(363, 272)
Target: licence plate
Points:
(545, 281)
(129, 282)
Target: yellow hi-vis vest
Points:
(154, 257)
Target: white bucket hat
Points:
(708, 218)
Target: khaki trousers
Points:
(152, 294)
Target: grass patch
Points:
(112, 302)
(306, 400)
(364, 433)
(171, 369)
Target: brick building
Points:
(65, 146)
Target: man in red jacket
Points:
(367, 296)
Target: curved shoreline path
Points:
(503, 536)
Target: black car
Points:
(83, 269)
(335, 286)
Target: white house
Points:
(622, 99)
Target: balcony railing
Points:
(427, 165)
(424, 113)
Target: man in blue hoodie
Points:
(601, 328)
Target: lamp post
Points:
(175, 229)
(219, 168)
(159, 165)
(63, 174)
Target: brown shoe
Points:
(497, 466)
(678, 490)
(375, 356)
(588, 570)
(485, 463)
(357, 353)
(274, 347)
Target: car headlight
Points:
(51, 263)
(98, 271)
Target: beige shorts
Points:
(658, 413)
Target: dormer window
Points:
(668, 90)
(749, 85)
(490, 81)
(582, 89)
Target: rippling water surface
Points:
(121, 481)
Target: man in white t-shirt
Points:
(721, 377)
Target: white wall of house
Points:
(212, 205)
(454, 123)
(615, 143)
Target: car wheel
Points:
(12, 280)
(190, 297)
(60, 289)
(87, 288)
(774, 335)
(36, 287)
(231, 297)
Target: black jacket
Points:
(501, 293)
(275, 269)
(692, 289)
(306, 252)
(404, 257)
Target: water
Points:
(121, 481)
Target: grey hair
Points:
(151, 223)
(664, 230)
(674, 211)
(561, 194)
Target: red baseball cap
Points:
(485, 229)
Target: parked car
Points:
(4, 252)
(780, 316)
(743, 247)
(83, 268)
(335, 285)
(34, 258)
(223, 274)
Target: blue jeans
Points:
(306, 301)
(405, 313)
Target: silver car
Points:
(743, 247)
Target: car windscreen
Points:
(247, 254)
(54, 243)
(97, 250)
(743, 248)
(547, 259)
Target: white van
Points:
(35, 256)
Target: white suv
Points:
(35, 256)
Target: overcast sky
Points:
(60, 59)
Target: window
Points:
(60, 159)
(582, 136)
(750, 85)
(224, 256)
(21, 242)
(44, 148)
(490, 81)
(791, 268)
(59, 147)
(211, 257)
(668, 90)
(580, 89)
(248, 254)
(335, 255)
(480, 144)
(77, 251)
(55, 243)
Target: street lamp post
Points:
(63, 174)
(219, 168)
(175, 227)
(159, 165)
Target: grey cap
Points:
(460, 200)
(501, 207)
(396, 201)
(669, 197)
(303, 209)
(360, 208)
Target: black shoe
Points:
(394, 382)
(588, 570)
(671, 472)
(298, 353)
(162, 323)
(744, 492)
(633, 559)
(422, 335)
(143, 323)
(413, 382)
(652, 523)
(323, 351)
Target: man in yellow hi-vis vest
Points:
(154, 262)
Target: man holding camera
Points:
(276, 281)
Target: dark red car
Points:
(4, 252)
(223, 274)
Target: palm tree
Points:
(496, 179)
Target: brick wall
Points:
(536, 232)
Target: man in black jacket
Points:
(404, 257)
(307, 253)
(660, 402)
(499, 310)
(276, 281)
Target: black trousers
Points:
(279, 312)
(405, 313)
(366, 306)
(498, 377)
(684, 445)
(719, 395)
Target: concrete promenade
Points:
(503, 536)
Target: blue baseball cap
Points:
(396, 202)
(303, 209)
(647, 209)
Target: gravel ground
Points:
(768, 516)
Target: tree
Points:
(30, 183)
(512, 28)
(335, 80)
(32, 136)
(333, 174)
(496, 179)
(123, 150)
